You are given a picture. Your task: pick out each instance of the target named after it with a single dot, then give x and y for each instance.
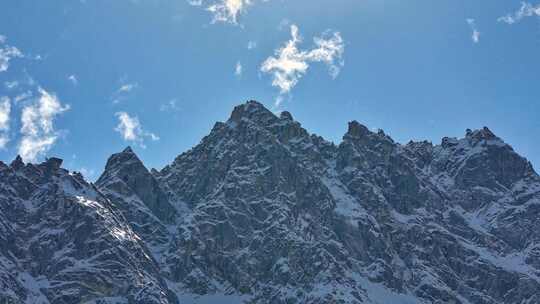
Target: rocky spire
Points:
(128, 150)
(126, 172)
(357, 130)
(54, 163)
(124, 159)
(481, 134)
(252, 110)
(286, 115)
(17, 163)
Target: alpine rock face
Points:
(261, 211)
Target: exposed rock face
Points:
(62, 241)
(263, 209)
(125, 174)
(138, 196)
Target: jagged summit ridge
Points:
(262, 211)
(356, 129)
(253, 110)
(256, 112)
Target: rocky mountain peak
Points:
(53, 163)
(482, 159)
(264, 210)
(357, 130)
(286, 115)
(62, 241)
(252, 110)
(38, 173)
(125, 173)
(124, 159)
(50, 166)
(473, 137)
(17, 163)
(358, 133)
(128, 150)
(481, 134)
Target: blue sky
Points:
(83, 79)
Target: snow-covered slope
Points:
(61, 241)
(261, 211)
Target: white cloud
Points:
(3, 141)
(125, 88)
(128, 126)
(290, 63)
(5, 111)
(279, 101)
(226, 11)
(73, 79)
(475, 36)
(131, 130)
(38, 133)
(30, 148)
(526, 10)
(7, 53)
(238, 69)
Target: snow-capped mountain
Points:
(62, 241)
(261, 211)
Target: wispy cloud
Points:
(38, 132)
(475, 36)
(131, 130)
(11, 84)
(290, 63)
(283, 24)
(125, 88)
(251, 45)
(171, 105)
(526, 10)
(73, 79)
(5, 112)
(123, 91)
(7, 53)
(22, 96)
(238, 69)
(226, 11)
